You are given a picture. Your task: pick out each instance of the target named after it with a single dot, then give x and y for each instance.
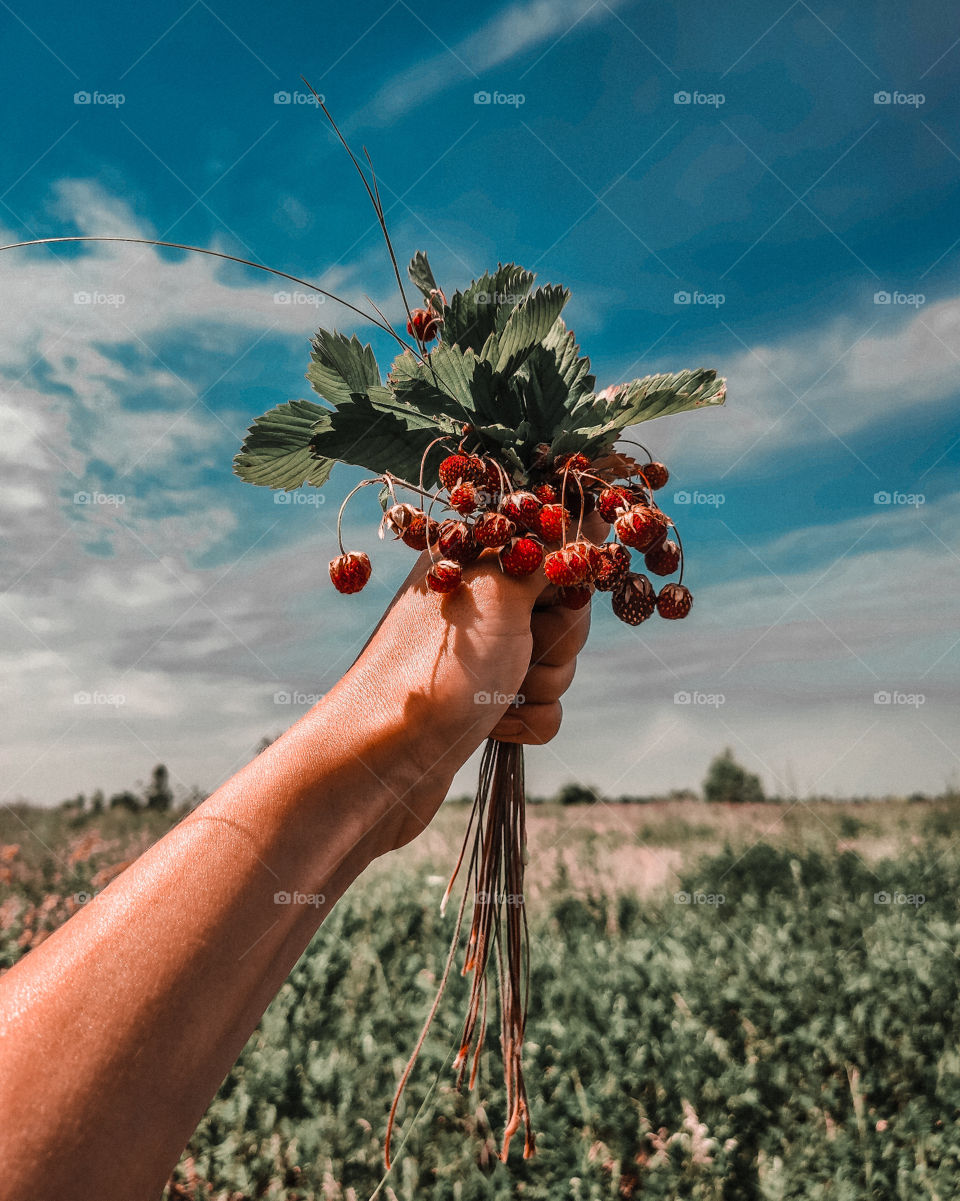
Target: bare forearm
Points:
(118, 1030)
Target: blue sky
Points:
(744, 158)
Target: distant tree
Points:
(159, 795)
(96, 801)
(728, 781)
(77, 803)
(575, 794)
(125, 800)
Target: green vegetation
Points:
(778, 1020)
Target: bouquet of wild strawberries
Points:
(487, 436)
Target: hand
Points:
(449, 665)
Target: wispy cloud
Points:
(513, 32)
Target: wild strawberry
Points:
(634, 599)
(495, 477)
(493, 529)
(674, 601)
(463, 497)
(664, 558)
(522, 556)
(419, 530)
(425, 324)
(444, 576)
(572, 462)
(523, 509)
(612, 501)
(641, 526)
(613, 567)
(576, 596)
(351, 571)
(655, 474)
(456, 542)
(567, 566)
(554, 522)
(546, 494)
(399, 518)
(465, 468)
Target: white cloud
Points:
(512, 32)
(828, 382)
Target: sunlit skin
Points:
(116, 1031)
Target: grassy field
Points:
(727, 1002)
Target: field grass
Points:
(725, 1004)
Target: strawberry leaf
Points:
(275, 451)
(421, 275)
(521, 329)
(471, 316)
(340, 366)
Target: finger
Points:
(544, 684)
(531, 724)
(559, 634)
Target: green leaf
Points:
(376, 431)
(596, 420)
(419, 271)
(471, 316)
(523, 328)
(341, 366)
(274, 452)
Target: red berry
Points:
(575, 597)
(457, 542)
(554, 522)
(399, 518)
(420, 528)
(655, 474)
(523, 509)
(522, 557)
(641, 527)
(612, 501)
(466, 468)
(664, 558)
(495, 477)
(351, 571)
(674, 601)
(567, 566)
(493, 529)
(444, 576)
(634, 599)
(463, 498)
(572, 462)
(425, 324)
(546, 494)
(613, 567)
